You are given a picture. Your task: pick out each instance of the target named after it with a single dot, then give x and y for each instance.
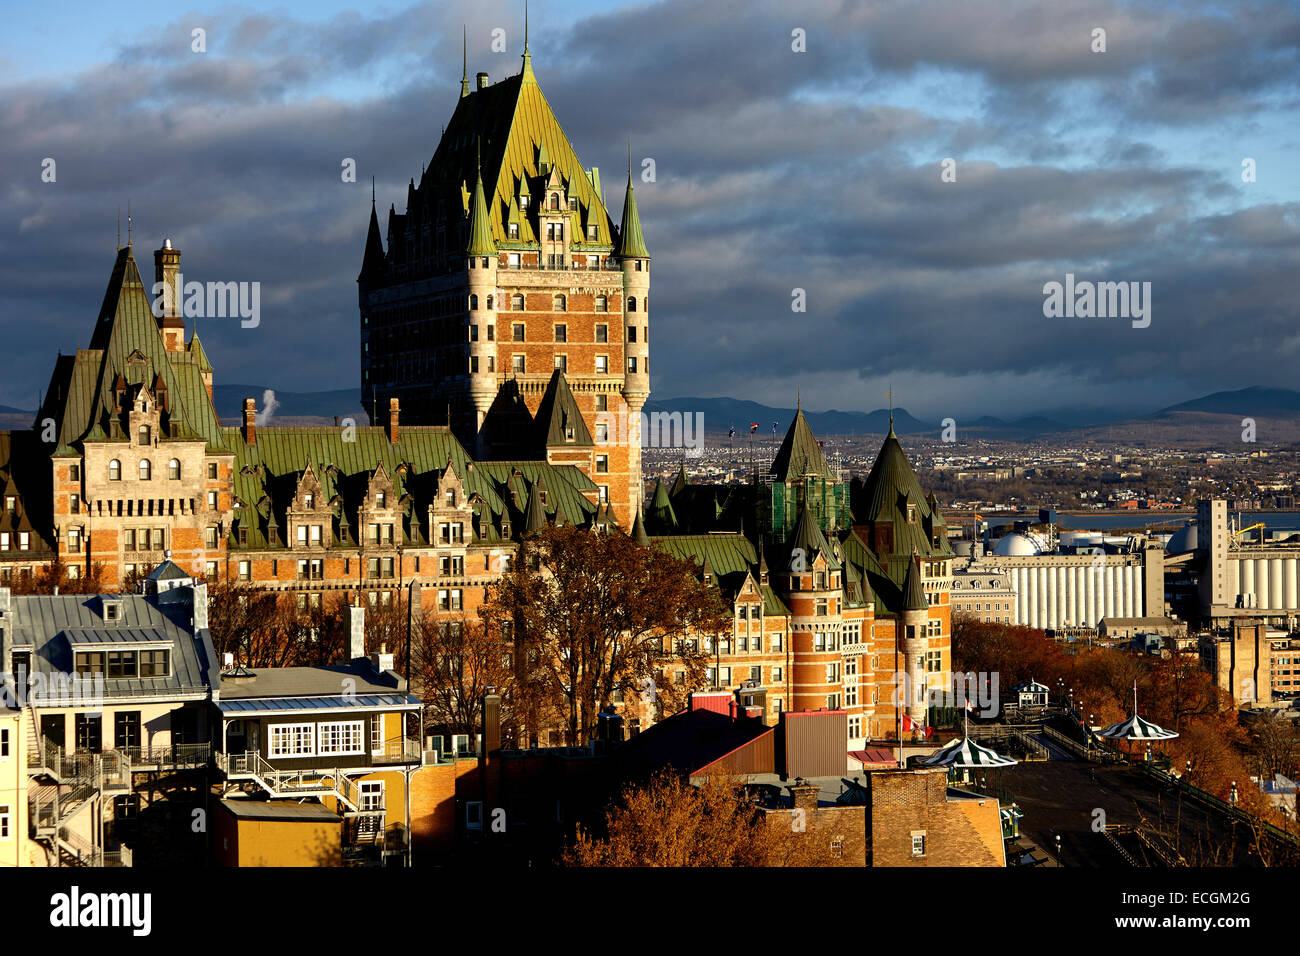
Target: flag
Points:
(731, 432)
(774, 428)
(753, 428)
(970, 706)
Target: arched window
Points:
(631, 303)
(473, 303)
(555, 201)
(560, 303)
(145, 435)
(174, 469)
(114, 470)
(146, 469)
(517, 302)
(602, 304)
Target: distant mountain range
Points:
(1214, 419)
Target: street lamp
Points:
(1058, 849)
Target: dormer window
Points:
(911, 514)
(514, 230)
(379, 499)
(146, 434)
(112, 611)
(523, 201)
(451, 498)
(308, 500)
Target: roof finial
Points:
(798, 400)
(372, 192)
(527, 72)
(464, 60)
(525, 27)
(128, 224)
(629, 160)
(119, 227)
(890, 395)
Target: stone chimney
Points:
(356, 631)
(392, 420)
(250, 421)
(803, 795)
(167, 271)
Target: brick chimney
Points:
(392, 420)
(804, 795)
(167, 271)
(250, 421)
(491, 722)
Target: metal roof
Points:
(108, 635)
(254, 705)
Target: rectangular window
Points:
(918, 843)
(602, 464)
(89, 731)
(90, 662)
(153, 663)
(292, 740)
(518, 330)
(562, 362)
(212, 470)
(5, 815)
(602, 403)
(4, 742)
(126, 729)
(517, 364)
(602, 333)
(122, 664)
(344, 737)
(561, 333)
(631, 363)
(245, 570)
(602, 364)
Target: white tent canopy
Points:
(964, 752)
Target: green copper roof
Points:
(808, 536)
(662, 517)
(913, 593)
(631, 244)
(511, 120)
(127, 346)
(480, 235)
(535, 515)
(198, 355)
(800, 455)
(638, 531)
(892, 495)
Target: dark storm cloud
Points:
(775, 171)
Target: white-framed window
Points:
(4, 743)
(340, 737)
(292, 740)
(855, 726)
(377, 735)
(918, 843)
(602, 364)
(5, 827)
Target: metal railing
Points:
(289, 783)
(1232, 810)
(1082, 751)
(173, 756)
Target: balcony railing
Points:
(173, 756)
(400, 750)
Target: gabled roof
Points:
(800, 454)
(557, 413)
(808, 536)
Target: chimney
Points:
(392, 420)
(199, 593)
(803, 795)
(491, 722)
(381, 660)
(482, 81)
(167, 271)
(250, 421)
(356, 631)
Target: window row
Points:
(336, 738)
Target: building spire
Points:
(528, 57)
(128, 224)
(631, 244)
(480, 233)
(464, 61)
(119, 227)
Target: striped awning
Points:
(964, 752)
(1135, 728)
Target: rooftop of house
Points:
(52, 628)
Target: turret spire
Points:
(631, 243)
(528, 57)
(480, 234)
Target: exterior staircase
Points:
(251, 766)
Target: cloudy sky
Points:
(774, 170)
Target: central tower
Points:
(506, 299)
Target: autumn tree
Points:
(57, 574)
(453, 664)
(597, 617)
(669, 822)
